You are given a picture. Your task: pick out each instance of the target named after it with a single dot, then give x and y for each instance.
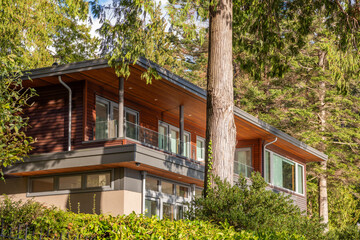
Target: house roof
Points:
(249, 120)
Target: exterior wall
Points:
(124, 199)
(256, 152)
(48, 118)
(298, 199)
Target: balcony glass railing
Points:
(243, 169)
(109, 129)
(155, 139)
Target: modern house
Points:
(129, 146)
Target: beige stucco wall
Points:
(108, 202)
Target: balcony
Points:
(147, 137)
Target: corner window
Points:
(283, 173)
(243, 162)
(165, 199)
(200, 148)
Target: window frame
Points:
(172, 199)
(296, 164)
(244, 149)
(201, 139)
(170, 127)
(110, 115)
(83, 189)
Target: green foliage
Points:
(32, 30)
(122, 227)
(14, 143)
(347, 233)
(253, 208)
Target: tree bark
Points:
(220, 126)
(323, 196)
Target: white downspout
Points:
(70, 109)
(263, 156)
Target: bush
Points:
(253, 208)
(346, 233)
(123, 227)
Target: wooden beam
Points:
(181, 127)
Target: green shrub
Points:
(346, 233)
(123, 227)
(253, 208)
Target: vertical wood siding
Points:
(48, 118)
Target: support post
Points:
(181, 126)
(121, 108)
(143, 190)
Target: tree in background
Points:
(36, 32)
(14, 143)
(33, 34)
(316, 100)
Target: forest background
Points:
(293, 72)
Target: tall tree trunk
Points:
(220, 126)
(323, 197)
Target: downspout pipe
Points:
(70, 109)
(263, 155)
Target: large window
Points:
(283, 173)
(107, 120)
(243, 162)
(75, 182)
(169, 139)
(165, 199)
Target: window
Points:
(165, 199)
(243, 162)
(200, 149)
(281, 172)
(70, 182)
(182, 191)
(167, 187)
(77, 182)
(98, 180)
(151, 207)
(151, 183)
(168, 211)
(198, 192)
(169, 139)
(107, 118)
(43, 184)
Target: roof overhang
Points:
(263, 130)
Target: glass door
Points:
(132, 120)
(163, 137)
(102, 118)
(174, 140)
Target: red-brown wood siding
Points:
(48, 118)
(256, 152)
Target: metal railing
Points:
(243, 169)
